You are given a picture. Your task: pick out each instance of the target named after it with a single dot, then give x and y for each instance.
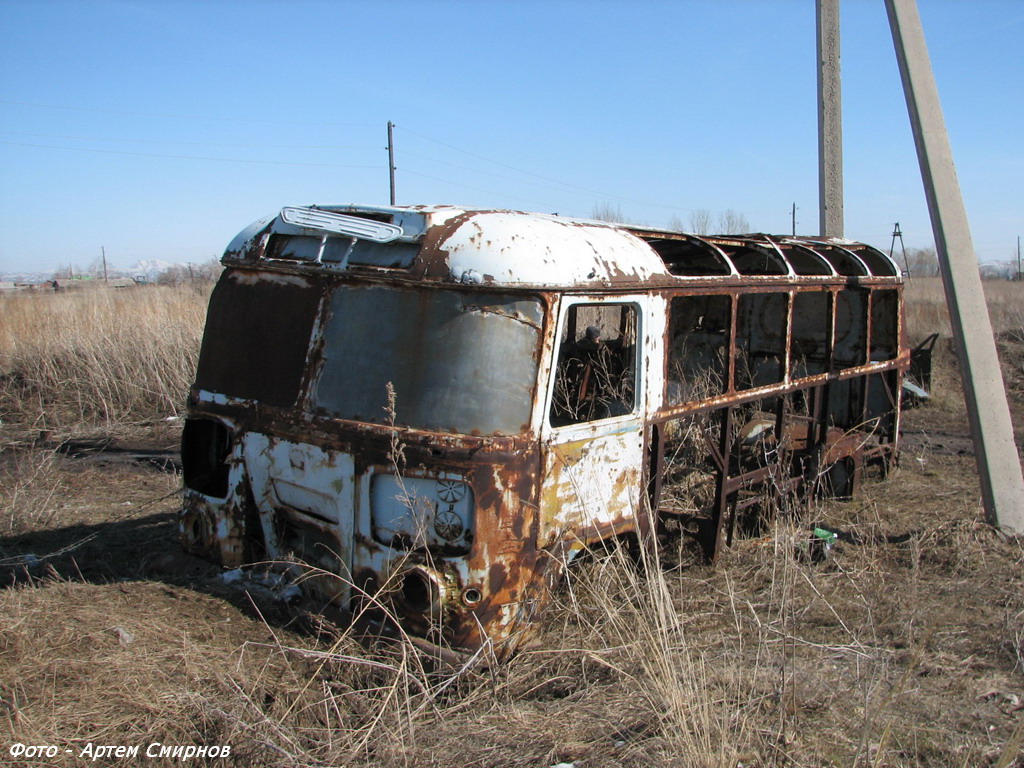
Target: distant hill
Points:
(143, 268)
(25, 277)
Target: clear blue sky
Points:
(159, 129)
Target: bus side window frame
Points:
(577, 363)
(717, 330)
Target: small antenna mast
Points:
(391, 158)
(896, 233)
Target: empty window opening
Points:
(846, 403)
(756, 261)
(762, 321)
(698, 348)
(595, 375)
(885, 314)
(875, 261)
(812, 318)
(851, 329)
(880, 404)
(805, 261)
(842, 261)
(690, 258)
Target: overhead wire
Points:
(188, 143)
(603, 195)
(182, 117)
(476, 189)
(406, 153)
(187, 157)
(549, 181)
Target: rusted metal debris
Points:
(435, 409)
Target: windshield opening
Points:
(458, 361)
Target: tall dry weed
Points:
(631, 620)
(30, 492)
(98, 357)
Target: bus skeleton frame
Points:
(434, 409)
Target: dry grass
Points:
(927, 313)
(30, 492)
(904, 650)
(102, 357)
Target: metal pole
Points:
(1002, 485)
(892, 247)
(830, 122)
(391, 158)
(103, 251)
(1018, 258)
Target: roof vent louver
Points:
(337, 223)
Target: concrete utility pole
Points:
(1002, 486)
(830, 122)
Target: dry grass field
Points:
(904, 648)
(98, 358)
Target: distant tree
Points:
(676, 224)
(733, 223)
(95, 269)
(176, 274)
(922, 262)
(700, 221)
(208, 271)
(69, 272)
(999, 270)
(183, 274)
(610, 213)
(728, 222)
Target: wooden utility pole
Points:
(794, 219)
(391, 158)
(1002, 485)
(830, 122)
(103, 252)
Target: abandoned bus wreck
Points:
(437, 408)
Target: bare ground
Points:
(904, 648)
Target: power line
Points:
(187, 143)
(483, 172)
(185, 157)
(179, 117)
(476, 189)
(545, 178)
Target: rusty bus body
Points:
(442, 406)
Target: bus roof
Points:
(518, 249)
